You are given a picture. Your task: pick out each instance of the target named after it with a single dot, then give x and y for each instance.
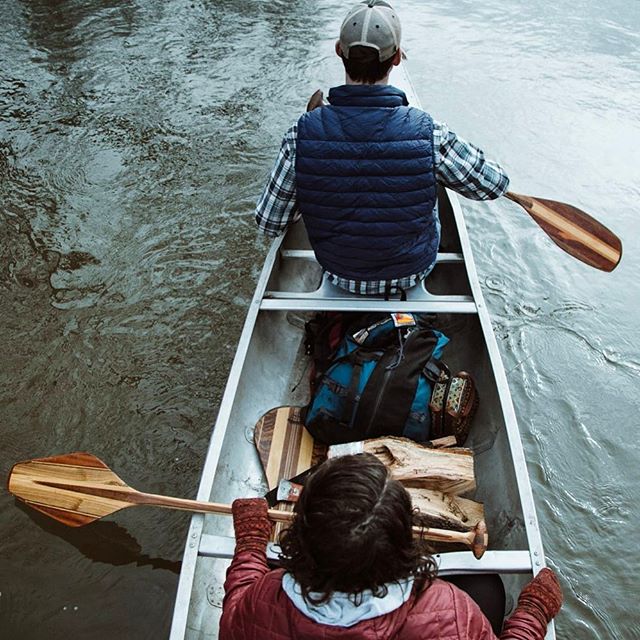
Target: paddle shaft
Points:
(78, 488)
(134, 497)
(468, 538)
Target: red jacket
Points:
(255, 607)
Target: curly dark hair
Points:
(353, 532)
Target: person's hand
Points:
(542, 597)
(316, 100)
(251, 524)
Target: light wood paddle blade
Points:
(574, 231)
(57, 487)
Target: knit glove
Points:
(251, 524)
(542, 597)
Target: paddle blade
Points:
(574, 231)
(75, 488)
(285, 447)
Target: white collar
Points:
(340, 611)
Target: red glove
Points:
(542, 597)
(251, 524)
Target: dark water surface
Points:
(134, 138)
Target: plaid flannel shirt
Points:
(459, 165)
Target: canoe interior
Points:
(275, 373)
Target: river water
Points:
(135, 137)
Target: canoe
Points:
(270, 362)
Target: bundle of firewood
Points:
(436, 479)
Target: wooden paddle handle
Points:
(203, 507)
(476, 540)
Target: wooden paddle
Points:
(78, 488)
(574, 231)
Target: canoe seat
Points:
(329, 297)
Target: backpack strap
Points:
(352, 400)
(389, 291)
(433, 370)
(389, 393)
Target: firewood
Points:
(445, 511)
(416, 465)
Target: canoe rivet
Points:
(195, 535)
(535, 553)
(192, 544)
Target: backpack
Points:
(323, 335)
(378, 381)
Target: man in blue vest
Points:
(363, 170)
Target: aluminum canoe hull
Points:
(269, 370)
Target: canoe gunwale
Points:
(191, 552)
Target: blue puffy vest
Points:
(366, 184)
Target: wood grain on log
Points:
(445, 511)
(415, 465)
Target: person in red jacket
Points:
(353, 570)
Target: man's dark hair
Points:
(363, 65)
(353, 532)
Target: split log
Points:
(444, 511)
(441, 443)
(416, 465)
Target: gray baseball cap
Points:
(374, 24)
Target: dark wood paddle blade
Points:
(75, 489)
(574, 231)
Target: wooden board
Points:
(444, 510)
(285, 447)
(419, 465)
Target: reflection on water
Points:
(134, 138)
(100, 541)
